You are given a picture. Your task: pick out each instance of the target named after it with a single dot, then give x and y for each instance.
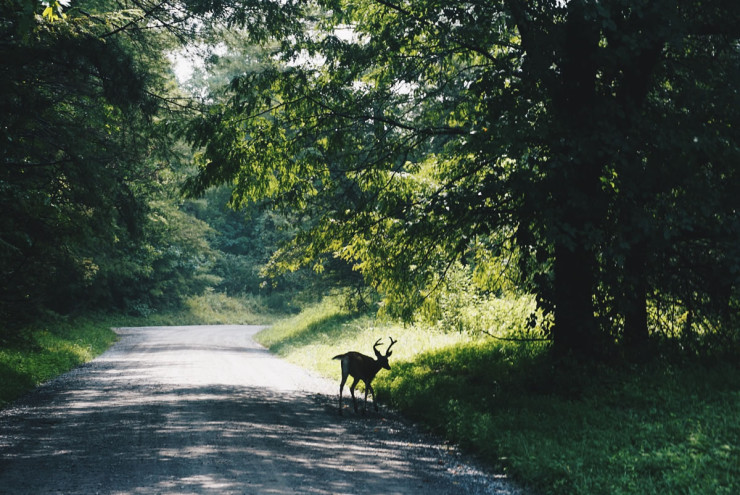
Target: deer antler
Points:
(375, 347)
(388, 351)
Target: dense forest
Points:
(583, 152)
(93, 213)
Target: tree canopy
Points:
(84, 150)
(585, 149)
(594, 140)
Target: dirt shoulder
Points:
(204, 409)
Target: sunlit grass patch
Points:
(217, 308)
(209, 308)
(322, 331)
(562, 428)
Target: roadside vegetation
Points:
(49, 347)
(670, 426)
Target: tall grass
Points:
(665, 427)
(214, 308)
(209, 308)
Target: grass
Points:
(311, 338)
(665, 427)
(49, 348)
(210, 308)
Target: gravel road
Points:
(204, 409)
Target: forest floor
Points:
(204, 409)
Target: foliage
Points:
(217, 308)
(459, 305)
(93, 217)
(245, 241)
(254, 237)
(74, 121)
(584, 138)
(553, 426)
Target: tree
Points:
(417, 133)
(81, 101)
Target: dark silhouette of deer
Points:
(363, 368)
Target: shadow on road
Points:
(194, 440)
(125, 424)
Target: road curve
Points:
(204, 409)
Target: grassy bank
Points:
(211, 308)
(54, 345)
(667, 427)
(48, 348)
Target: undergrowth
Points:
(670, 426)
(210, 308)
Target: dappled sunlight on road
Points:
(204, 410)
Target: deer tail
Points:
(339, 356)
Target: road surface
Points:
(204, 409)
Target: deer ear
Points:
(388, 354)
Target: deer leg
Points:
(375, 402)
(352, 391)
(367, 387)
(341, 387)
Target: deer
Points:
(363, 368)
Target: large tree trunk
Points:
(576, 189)
(575, 330)
(635, 301)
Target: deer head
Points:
(383, 360)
